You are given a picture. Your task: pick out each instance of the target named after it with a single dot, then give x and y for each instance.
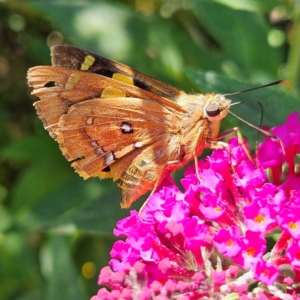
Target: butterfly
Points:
(114, 122)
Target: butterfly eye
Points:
(212, 110)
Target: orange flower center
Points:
(229, 242)
(218, 208)
(250, 251)
(259, 219)
(292, 225)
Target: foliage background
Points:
(55, 228)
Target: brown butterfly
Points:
(112, 121)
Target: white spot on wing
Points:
(126, 127)
(138, 145)
(109, 159)
(89, 121)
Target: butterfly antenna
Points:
(260, 87)
(259, 130)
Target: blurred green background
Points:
(55, 228)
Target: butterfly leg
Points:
(196, 157)
(152, 192)
(165, 172)
(219, 144)
(196, 168)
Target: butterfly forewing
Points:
(78, 59)
(72, 86)
(105, 130)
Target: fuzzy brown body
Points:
(115, 122)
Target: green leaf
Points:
(19, 269)
(49, 194)
(62, 278)
(251, 5)
(89, 206)
(47, 170)
(248, 52)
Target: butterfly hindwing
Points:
(101, 131)
(144, 173)
(120, 140)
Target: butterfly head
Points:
(216, 107)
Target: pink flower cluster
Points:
(215, 239)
